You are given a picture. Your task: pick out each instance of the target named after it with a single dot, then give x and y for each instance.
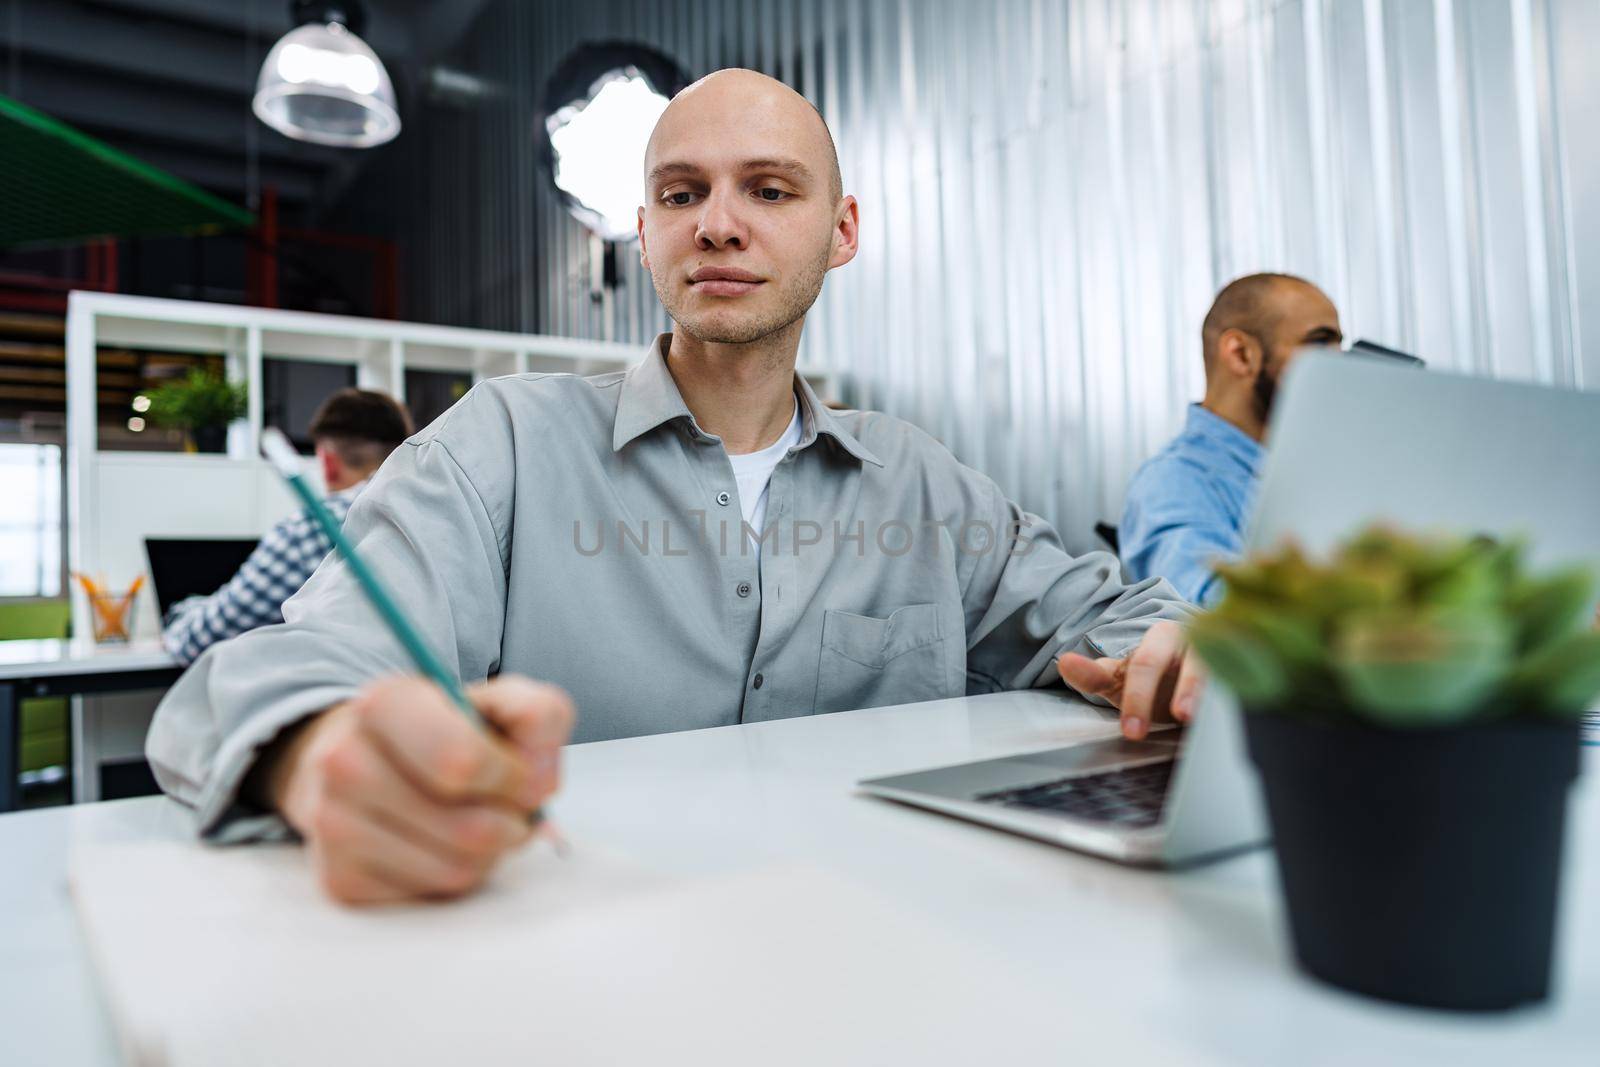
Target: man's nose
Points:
(720, 224)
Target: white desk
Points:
(47, 668)
(1200, 956)
(52, 658)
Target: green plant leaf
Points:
(198, 399)
(1295, 640)
(1563, 678)
(1363, 584)
(1243, 662)
(1475, 579)
(1545, 609)
(1408, 668)
(1404, 630)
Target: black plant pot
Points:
(1420, 866)
(210, 438)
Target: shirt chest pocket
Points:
(868, 662)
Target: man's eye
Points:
(679, 199)
(771, 195)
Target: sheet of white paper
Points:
(231, 957)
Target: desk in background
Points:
(1198, 957)
(48, 668)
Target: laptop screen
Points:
(181, 568)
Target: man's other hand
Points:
(1158, 682)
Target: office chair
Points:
(1107, 533)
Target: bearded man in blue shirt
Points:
(1186, 508)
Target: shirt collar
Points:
(650, 397)
(350, 490)
(1218, 431)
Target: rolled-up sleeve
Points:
(432, 536)
(1031, 601)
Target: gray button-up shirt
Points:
(587, 532)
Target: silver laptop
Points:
(1354, 440)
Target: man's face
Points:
(739, 223)
(1305, 317)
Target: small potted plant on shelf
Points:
(202, 404)
(1413, 706)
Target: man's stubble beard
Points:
(797, 300)
(1265, 389)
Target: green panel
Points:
(44, 726)
(34, 618)
(42, 715)
(44, 750)
(57, 184)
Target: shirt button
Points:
(743, 589)
(757, 681)
(723, 498)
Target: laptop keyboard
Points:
(1127, 796)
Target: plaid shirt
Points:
(254, 597)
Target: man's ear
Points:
(644, 255)
(332, 466)
(1239, 354)
(846, 233)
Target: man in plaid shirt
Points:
(354, 431)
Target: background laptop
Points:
(1353, 440)
(182, 567)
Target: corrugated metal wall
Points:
(1052, 190)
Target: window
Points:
(30, 520)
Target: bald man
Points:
(696, 542)
(1187, 506)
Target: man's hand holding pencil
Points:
(400, 797)
(417, 787)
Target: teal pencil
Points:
(283, 457)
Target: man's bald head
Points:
(751, 91)
(1257, 304)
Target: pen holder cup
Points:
(111, 616)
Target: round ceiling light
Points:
(322, 83)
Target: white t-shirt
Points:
(753, 470)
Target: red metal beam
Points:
(46, 302)
(385, 263)
(261, 254)
(108, 264)
(267, 231)
(23, 280)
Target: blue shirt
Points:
(1187, 506)
(254, 597)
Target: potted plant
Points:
(202, 404)
(1413, 706)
